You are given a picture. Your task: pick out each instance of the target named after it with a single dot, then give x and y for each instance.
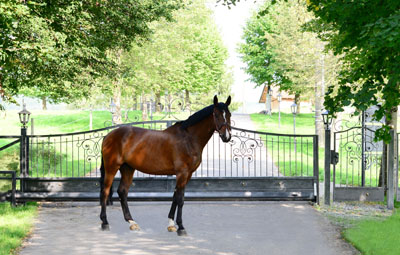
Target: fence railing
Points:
(248, 154)
(360, 158)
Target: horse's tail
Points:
(102, 174)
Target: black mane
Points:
(200, 115)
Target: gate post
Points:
(327, 166)
(390, 179)
(24, 116)
(24, 153)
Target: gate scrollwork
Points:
(244, 147)
(91, 146)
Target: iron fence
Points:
(248, 154)
(360, 158)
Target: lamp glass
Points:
(293, 107)
(24, 115)
(326, 119)
(279, 97)
(112, 107)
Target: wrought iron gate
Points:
(358, 174)
(253, 165)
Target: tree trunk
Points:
(384, 167)
(297, 101)
(396, 152)
(134, 103)
(187, 100)
(117, 118)
(319, 124)
(158, 102)
(145, 113)
(44, 103)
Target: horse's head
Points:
(222, 119)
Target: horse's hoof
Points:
(105, 227)
(134, 226)
(171, 229)
(182, 232)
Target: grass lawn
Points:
(15, 224)
(378, 236)
(298, 162)
(305, 124)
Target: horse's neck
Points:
(202, 131)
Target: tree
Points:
(186, 55)
(61, 46)
(278, 52)
(367, 35)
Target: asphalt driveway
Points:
(213, 228)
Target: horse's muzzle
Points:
(225, 137)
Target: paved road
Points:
(223, 228)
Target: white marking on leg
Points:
(171, 223)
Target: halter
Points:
(222, 125)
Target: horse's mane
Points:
(200, 115)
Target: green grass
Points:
(300, 163)
(55, 122)
(15, 224)
(266, 123)
(377, 236)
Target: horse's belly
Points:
(153, 166)
(156, 171)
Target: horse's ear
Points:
(228, 101)
(215, 101)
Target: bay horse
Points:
(176, 151)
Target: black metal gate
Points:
(253, 165)
(359, 172)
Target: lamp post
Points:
(327, 124)
(269, 101)
(24, 116)
(293, 107)
(279, 108)
(113, 109)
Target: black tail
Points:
(102, 176)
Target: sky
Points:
(230, 23)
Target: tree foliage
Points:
(185, 55)
(280, 53)
(367, 34)
(59, 46)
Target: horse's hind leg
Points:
(123, 189)
(105, 192)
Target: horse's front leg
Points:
(182, 179)
(171, 215)
(177, 201)
(180, 194)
